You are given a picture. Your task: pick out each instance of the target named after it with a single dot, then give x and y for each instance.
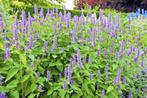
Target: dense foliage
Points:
(54, 55)
(120, 5)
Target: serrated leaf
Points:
(11, 73)
(14, 94)
(62, 93)
(33, 87)
(109, 89)
(25, 78)
(32, 95)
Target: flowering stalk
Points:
(7, 51)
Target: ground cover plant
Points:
(54, 55)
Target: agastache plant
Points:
(48, 76)
(46, 47)
(79, 58)
(7, 51)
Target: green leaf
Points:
(50, 92)
(11, 73)
(22, 57)
(31, 57)
(25, 78)
(32, 95)
(33, 87)
(14, 94)
(62, 93)
(109, 89)
(12, 84)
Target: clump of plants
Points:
(54, 55)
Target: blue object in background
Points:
(138, 13)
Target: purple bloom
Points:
(142, 63)
(40, 88)
(111, 50)
(1, 81)
(37, 36)
(30, 42)
(23, 15)
(91, 76)
(60, 75)
(32, 65)
(46, 47)
(7, 51)
(124, 80)
(105, 52)
(38, 74)
(130, 94)
(79, 58)
(16, 21)
(35, 9)
(15, 36)
(86, 41)
(107, 68)
(64, 85)
(115, 81)
(42, 13)
(84, 60)
(136, 58)
(98, 73)
(119, 75)
(56, 10)
(116, 56)
(2, 95)
(103, 93)
(55, 42)
(98, 52)
(72, 82)
(68, 73)
(48, 76)
(89, 60)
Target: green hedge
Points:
(31, 10)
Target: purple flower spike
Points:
(32, 65)
(103, 93)
(142, 63)
(48, 76)
(1, 81)
(89, 60)
(79, 58)
(115, 81)
(98, 73)
(86, 41)
(60, 75)
(55, 42)
(91, 76)
(46, 47)
(40, 88)
(30, 42)
(37, 36)
(130, 94)
(105, 52)
(72, 82)
(119, 76)
(64, 85)
(84, 60)
(98, 52)
(35, 9)
(124, 80)
(7, 51)
(2, 95)
(41, 13)
(38, 74)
